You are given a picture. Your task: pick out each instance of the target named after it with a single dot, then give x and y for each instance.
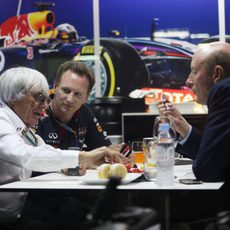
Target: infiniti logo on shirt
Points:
(53, 136)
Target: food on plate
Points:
(118, 170)
(134, 168)
(103, 171)
(106, 171)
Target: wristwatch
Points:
(71, 171)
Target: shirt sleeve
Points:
(182, 140)
(189, 147)
(43, 157)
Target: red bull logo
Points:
(27, 26)
(14, 29)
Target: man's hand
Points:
(166, 108)
(125, 160)
(96, 157)
(116, 147)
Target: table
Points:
(59, 181)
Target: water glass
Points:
(149, 150)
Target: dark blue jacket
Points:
(89, 132)
(211, 150)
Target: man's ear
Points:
(218, 74)
(54, 88)
(86, 99)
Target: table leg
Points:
(164, 211)
(167, 211)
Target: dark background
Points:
(131, 17)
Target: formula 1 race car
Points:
(129, 67)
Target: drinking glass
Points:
(137, 147)
(149, 150)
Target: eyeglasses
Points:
(40, 98)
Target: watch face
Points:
(73, 171)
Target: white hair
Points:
(16, 82)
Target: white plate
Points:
(94, 180)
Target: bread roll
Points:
(103, 171)
(118, 170)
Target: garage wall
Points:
(131, 17)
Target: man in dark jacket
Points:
(210, 81)
(68, 123)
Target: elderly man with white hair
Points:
(23, 98)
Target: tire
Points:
(122, 69)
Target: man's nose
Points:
(70, 96)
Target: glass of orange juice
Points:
(137, 147)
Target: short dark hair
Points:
(78, 68)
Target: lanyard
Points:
(30, 136)
(66, 127)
